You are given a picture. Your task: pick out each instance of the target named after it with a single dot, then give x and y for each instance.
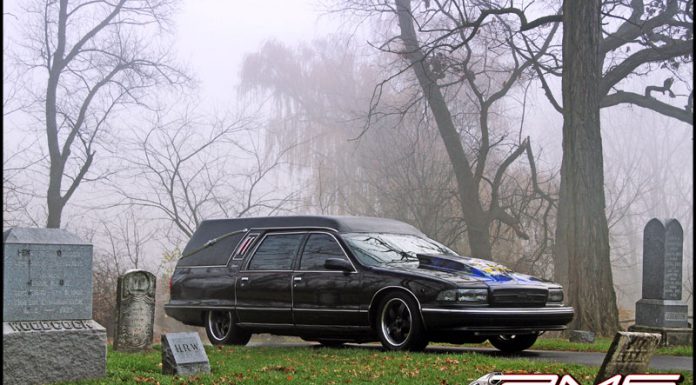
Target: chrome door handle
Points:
(245, 278)
(297, 279)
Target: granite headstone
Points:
(629, 353)
(135, 311)
(48, 333)
(581, 336)
(661, 310)
(183, 354)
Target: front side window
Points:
(380, 248)
(317, 250)
(276, 252)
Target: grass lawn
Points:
(318, 365)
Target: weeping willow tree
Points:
(389, 160)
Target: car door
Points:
(263, 286)
(321, 296)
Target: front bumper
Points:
(491, 319)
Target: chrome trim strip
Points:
(306, 228)
(345, 327)
(261, 308)
(332, 311)
(506, 311)
(264, 324)
(253, 308)
(197, 267)
(199, 307)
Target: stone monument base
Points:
(41, 352)
(662, 313)
(670, 336)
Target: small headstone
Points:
(629, 353)
(48, 333)
(183, 354)
(581, 336)
(135, 311)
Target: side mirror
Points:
(338, 264)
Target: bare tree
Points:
(18, 192)
(400, 167)
(188, 170)
(665, 31)
(96, 60)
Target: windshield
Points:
(378, 248)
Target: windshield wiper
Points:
(405, 256)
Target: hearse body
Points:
(353, 279)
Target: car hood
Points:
(468, 270)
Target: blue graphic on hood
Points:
(479, 269)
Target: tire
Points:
(512, 343)
(221, 329)
(399, 323)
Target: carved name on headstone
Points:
(135, 308)
(183, 354)
(629, 353)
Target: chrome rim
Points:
(219, 324)
(396, 322)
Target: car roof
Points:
(213, 228)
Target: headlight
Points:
(555, 295)
(469, 296)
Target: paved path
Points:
(584, 358)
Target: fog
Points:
(274, 122)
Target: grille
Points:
(519, 297)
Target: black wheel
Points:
(399, 324)
(222, 330)
(512, 343)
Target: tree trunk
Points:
(582, 234)
(476, 219)
(54, 202)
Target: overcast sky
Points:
(214, 35)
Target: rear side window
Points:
(276, 252)
(317, 250)
(214, 255)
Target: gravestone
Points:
(183, 354)
(660, 309)
(135, 311)
(48, 331)
(629, 353)
(581, 336)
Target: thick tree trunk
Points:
(582, 234)
(477, 220)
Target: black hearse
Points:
(353, 279)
